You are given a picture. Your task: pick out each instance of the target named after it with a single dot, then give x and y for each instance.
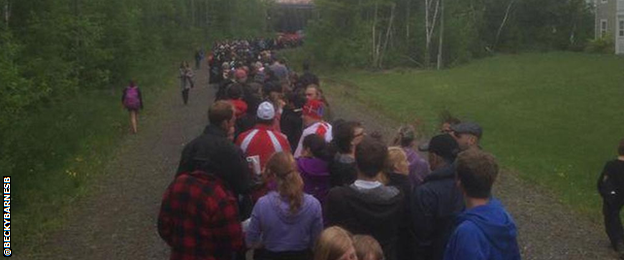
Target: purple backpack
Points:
(132, 101)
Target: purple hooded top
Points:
(418, 167)
(315, 175)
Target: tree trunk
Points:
(374, 50)
(441, 34)
(407, 20)
(6, 12)
(430, 23)
(381, 56)
(500, 28)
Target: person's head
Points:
(442, 150)
(447, 120)
(240, 75)
(397, 161)
(405, 136)
(467, 135)
(334, 243)
(312, 112)
(221, 114)
(367, 248)
(347, 135)
(621, 148)
(281, 167)
(476, 173)
(235, 91)
(370, 157)
(314, 146)
(265, 113)
(132, 83)
(312, 92)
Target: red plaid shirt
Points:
(199, 218)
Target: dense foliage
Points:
(63, 64)
(383, 33)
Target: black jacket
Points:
(376, 212)
(435, 204)
(342, 170)
(291, 125)
(212, 152)
(406, 227)
(611, 182)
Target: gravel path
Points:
(547, 229)
(118, 219)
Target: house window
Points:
(603, 1)
(621, 28)
(603, 28)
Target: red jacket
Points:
(261, 141)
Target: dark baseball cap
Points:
(467, 128)
(443, 145)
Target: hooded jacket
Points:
(315, 175)
(484, 232)
(376, 212)
(279, 230)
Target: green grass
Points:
(553, 117)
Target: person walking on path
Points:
(186, 80)
(485, 230)
(285, 223)
(611, 189)
(133, 101)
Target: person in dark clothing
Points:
(611, 189)
(214, 151)
(342, 168)
(291, 123)
(437, 201)
(485, 230)
(367, 206)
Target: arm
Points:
(253, 236)
(234, 168)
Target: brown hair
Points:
(477, 171)
(366, 245)
(289, 184)
(370, 156)
(220, 111)
(332, 243)
(621, 148)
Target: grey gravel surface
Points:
(118, 219)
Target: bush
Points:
(601, 45)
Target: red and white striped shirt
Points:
(322, 129)
(263, 142)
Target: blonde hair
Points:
(333, 243)
(365, 246)
(396, 162)
(289, 183)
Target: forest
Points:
(443, 33)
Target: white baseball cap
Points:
(266, 111)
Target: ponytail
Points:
(289, 183)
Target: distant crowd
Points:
(275, 176)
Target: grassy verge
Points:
(553, 117)
(69, 144)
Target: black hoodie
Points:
(376, 212)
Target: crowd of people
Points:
(275, 176)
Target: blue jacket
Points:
(484, 232)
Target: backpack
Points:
(132, 101)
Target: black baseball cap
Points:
(443, 145)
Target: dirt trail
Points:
(118, 219)
(547, 229)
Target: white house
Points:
(610, 22)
